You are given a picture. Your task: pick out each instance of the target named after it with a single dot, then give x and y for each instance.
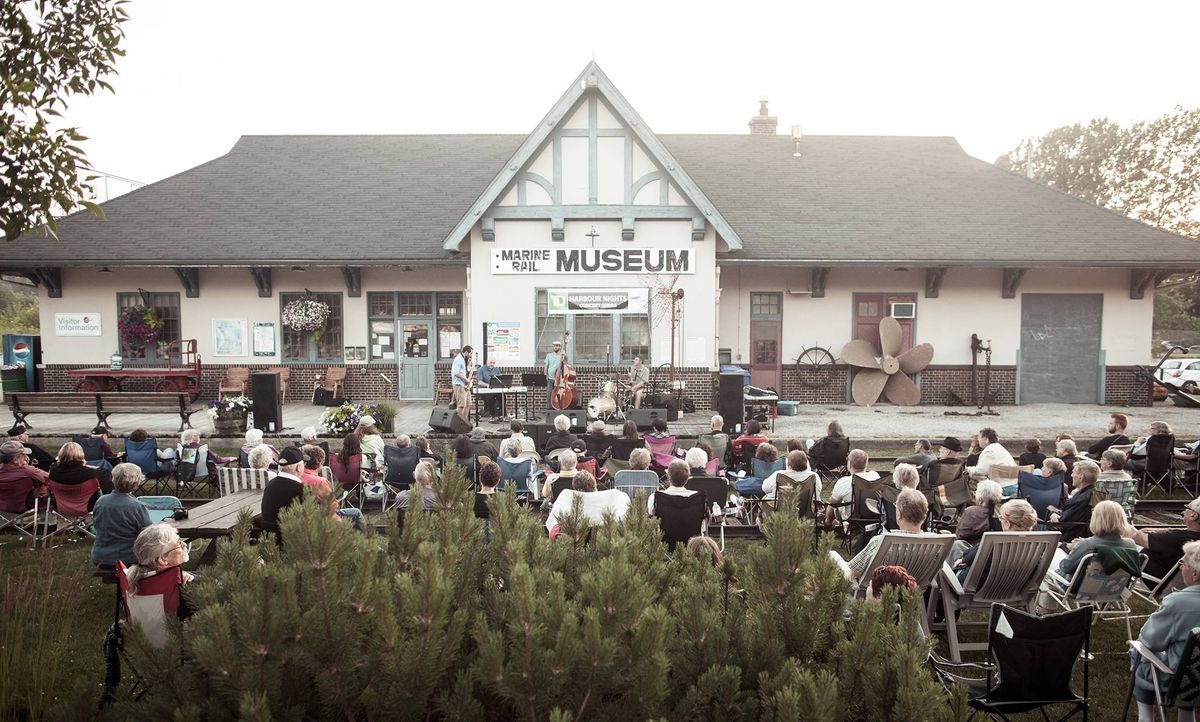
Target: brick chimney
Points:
(763, 124)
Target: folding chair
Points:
(516, 473)
(145, 454)
(157, 598)
(679, 517)
(1089, 586)
(632, 481)
(233, 480)
(558, 486)
(762, 469)
(1008, 569)
(864, 520)
(922, 555)
(1006, 475)
(69, 504)
(1153, 589)
(1183, 689)
(662, 451)
(1160, 471)
(335, 377)
(829, 461)
(1041, 492)
(1031, 662)
(933, 478)
(400, 463)
(15, 510)
(191, 470)
(715, 490)
(160, 508)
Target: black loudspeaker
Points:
(578, 418)
(731, 400)
(539, 432)
(644, 417)
(447, 420)
(266, 402)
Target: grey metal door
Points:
(416, 359)
(1060, 348)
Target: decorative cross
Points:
(593, 235)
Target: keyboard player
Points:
(483, 377)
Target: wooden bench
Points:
(103, 404)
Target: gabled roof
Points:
(592, 78)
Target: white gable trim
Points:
(591, 77)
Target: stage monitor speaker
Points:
(578, 418)
(732, 401)
(539, 432)
(447, 420)
(644, 417)
(265, 401)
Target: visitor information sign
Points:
(76, 324)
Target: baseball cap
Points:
(291, 455)
(12, 448)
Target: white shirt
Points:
(673, 491)
(796, 477)
(992, 454)
(844, 488)
(527, 445)
(595, 504)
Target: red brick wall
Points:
(1123, 387)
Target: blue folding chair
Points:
(1040, 491)
(161, 508)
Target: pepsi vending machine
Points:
(22, 356)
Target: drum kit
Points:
(612, 401)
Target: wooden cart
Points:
(182, 373)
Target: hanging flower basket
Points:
(307, 315)
(139, 326)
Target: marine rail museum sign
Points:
(591, 260)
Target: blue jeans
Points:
(354, 515)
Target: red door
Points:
(871, 308)
(765, 339)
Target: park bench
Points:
(103, 404)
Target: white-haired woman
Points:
(254, 438)
(1110, 541)
(118, 518)
(981, 516)
(562, 438)
(1165, 634)
(157, 549)
(190, 439)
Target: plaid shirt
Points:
(1119, 487)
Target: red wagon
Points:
(182, 373)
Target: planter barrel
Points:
(230, 423)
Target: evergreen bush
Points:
(447, 617)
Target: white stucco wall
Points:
(224, 293)
(969, 302)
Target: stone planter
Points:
(230, 423)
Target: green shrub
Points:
(442, 618)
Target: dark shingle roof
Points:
(383, 199)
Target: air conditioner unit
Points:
(904, 310)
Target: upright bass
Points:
(564, 394)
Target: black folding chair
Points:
(1159, 472)
(679, 517)
(1031, 662)
(828, 457)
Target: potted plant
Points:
(229, 415)
(341, 420)
(385, 416)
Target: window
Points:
(766, 306)
(301, 345)
(166, 306)
(386, 308)
(596, 338)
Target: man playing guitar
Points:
(639, 378)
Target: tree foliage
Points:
(18, 310)
(449, 618)
(51, 50)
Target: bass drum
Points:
(601, 407)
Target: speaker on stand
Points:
(731, 400)
(266, 401)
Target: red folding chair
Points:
(19, 508)
(156, 601)
(663, 450)
(69, 505)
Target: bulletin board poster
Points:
(504, 342)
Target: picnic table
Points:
(216, 519)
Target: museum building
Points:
(691, 250)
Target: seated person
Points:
(39, 457)
(254, 437)
(905, 476)
(856, 464)
(630, 439)
(697, 461)
(596, 504)
(70, 468)
(1115, 481)
(796, 473)
(638, 474)
(100, 433)
(347, 463)
(753, 436)
(310, 475)
(921, 456)
(1110, 543)
(890, 577)
(424, 476)
(677, 477)
(1164, 547)
(762, 465)
(911, 510)
(489, 477)
(706, 549)
(261, 457)
(1033, 455)
(950, 448)
(658, 428)
(480, 446)
(528, 447)
(1077, 510)
(190, 439)
(283, 490)
(164, 458)
(309, 437)
(118, 518)
(16, 468)
(1185, 456)
(980, 517)
(1165, 634)
(157, 549)
(515, 467)
(718, 439)
(991, 453)
(464, 455)
(422, 443)
(1066, 451)
(370, 441)
(1117, 423)
(567, 462)
(562, 438)
(831, 445)
(1015, 515)
(598, 440)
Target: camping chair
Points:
(157, 599)
(662, 451)
(762, 469)
(1041, 492)
(160, 508)
(921, 554)
(1159, 472)
(145, 455)
(1031, 661)
(19, 507)
(69, 504)
(284, 372)
(558, 486)
(863, 522)
(679, 517)
(1089, 586)
(191, 470)
(715, 490)
(238, 479)
(1008, 569)
(1183, 689)
(234, 383)
(348, 475)
(1153, 589)
(931, 483)
(720, 446)
(333, 381)
(400, 463)
(516, 473)
(592, 466)
(632, 481)
(830, 462)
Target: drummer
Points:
(483, 377)
(639, 378)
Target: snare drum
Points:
(601, 407)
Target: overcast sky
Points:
(200, 73)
